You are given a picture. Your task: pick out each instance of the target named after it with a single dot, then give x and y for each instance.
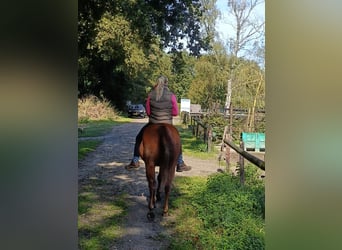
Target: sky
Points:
(222, 24)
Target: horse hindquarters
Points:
(160, 146)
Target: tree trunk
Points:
(251, 114)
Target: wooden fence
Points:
(243, 155)
(199, 129)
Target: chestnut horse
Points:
(161, 147)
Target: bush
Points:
(95, 109)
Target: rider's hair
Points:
(162, 81)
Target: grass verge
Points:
(94, 129)
(217, 213)
(98, 128)
(85, 147)
(100, 215)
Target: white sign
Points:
(185, 105)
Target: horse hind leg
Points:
(158, 189)
(151, 202)
(166, 202)
(150, 174)
(152, 198)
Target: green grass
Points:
(84, 147)
(98, 128)
(100, 215)
(94, 129)
(217, 213)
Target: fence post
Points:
(230, 119)
(186, 117)
(192, 122)
(197, 127)
(205, 135)
(228, 154)
(210, 138)
(242, 166)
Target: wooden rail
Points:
(255, 160)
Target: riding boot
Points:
(133, 165)
(182, 167)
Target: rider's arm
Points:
(148, 107)
(174, 105)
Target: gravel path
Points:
(107, 164)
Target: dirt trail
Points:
(107, 165)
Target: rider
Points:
(161, 105)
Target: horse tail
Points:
(169, 149)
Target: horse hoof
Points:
(150, 216)
(165, 214)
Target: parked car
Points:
(136, 110)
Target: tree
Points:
(117, 39)
(182, 73)
(250, 92)
(248, 31)
(208, 20)
(208, 85)
(247, 27)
